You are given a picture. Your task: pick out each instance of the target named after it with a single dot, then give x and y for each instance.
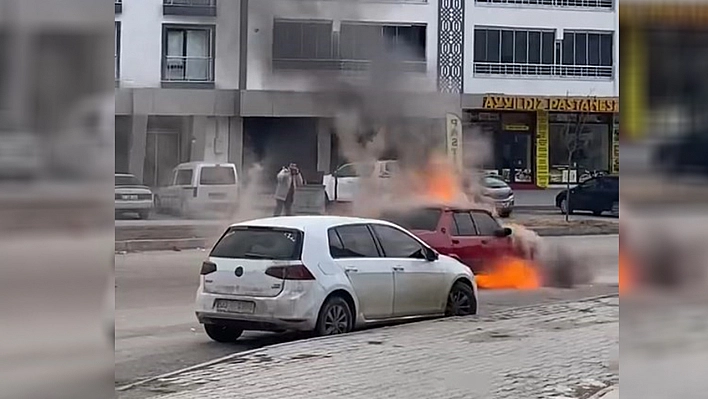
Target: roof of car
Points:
(307, 222)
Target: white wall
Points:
(141, 42)
(260, 35)
(531, 17)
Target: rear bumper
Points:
(291, 310)
(142, 205)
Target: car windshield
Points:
(494, 182)
(259, 243)
(127, 180)
(213, 175)
(425, 219)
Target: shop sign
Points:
(516, 127)
(555, 104)
(542, 172)
(615, 146)
(454, 140)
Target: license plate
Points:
(130, 197)
(223, 305)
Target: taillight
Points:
(195, 191)
(208, 268)
(293, 272)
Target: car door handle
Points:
(398, 269)
(455, 241)
(350, 270)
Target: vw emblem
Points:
(239, 271)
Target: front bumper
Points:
(296, 308)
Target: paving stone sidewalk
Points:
(555, 351)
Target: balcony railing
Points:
(189, 7)
(188, 69)
(340, 65)
(118, 5)
(602, 4)
(545, 71)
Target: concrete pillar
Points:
(235, 154)
(138, 142)
(324, 145)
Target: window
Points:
(116, 51)
(348, 170)
(486, 224)
(532, 52)
(357, 242)
(297, 40)
(188, 53)
(363, 41)
(419, 219)
(213, 175)
(591, 184)
(118, 6)
(259, 243)
(184, 177)
(189, 7)
(397, 244)
(463, 226)
(602, 4)
(127, 180)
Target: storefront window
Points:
(587, 137)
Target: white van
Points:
(200, 189)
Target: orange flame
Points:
(440, 181)
(510, 273)
(625, 273)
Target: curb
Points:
(604, 391)
(249, 352)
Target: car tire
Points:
(222, 334)
(615, 210)
(335, 317)
(461, 301)
(563, 205)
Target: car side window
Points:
(463, 224)
(356, 242)
(591, 184)
(348, 170)
(397, 244)
(486, 224)
(184, 177)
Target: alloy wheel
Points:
(336, 320)
(459, 303)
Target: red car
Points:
(471, 235)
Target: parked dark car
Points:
(596, 195)
(471, 236)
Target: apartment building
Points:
(537, 72)
(237, 80)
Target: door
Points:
(353, 248)
(466, 244)
(515, 151)
(167, 193)
(419, 286)
(610, 191)
(584, 196)
(181, 189)
(487, 227)
(217, 185)
(162, 149)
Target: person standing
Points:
(288, 179)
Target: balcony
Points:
(202, 8)
(284, 64)
(584, 4)
(118, 5)
(584, 72)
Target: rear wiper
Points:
(250, 255)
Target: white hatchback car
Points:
(326, 274)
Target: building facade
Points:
(232, 80)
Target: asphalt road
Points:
(156, 331)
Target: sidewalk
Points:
(562, 350)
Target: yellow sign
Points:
(557, 104)
(615, 146)
(454, 140)
(516, 128)
(542, 172)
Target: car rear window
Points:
(259, 243)
(493, 182)
(213, 175)
(425, 219)
(127, 180)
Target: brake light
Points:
(292, 272)
(208, 268)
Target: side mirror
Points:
(503, 232)
(431, 255)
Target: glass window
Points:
(548, 46)
(568, 48)
(534, 47)
(336, 248)
(521, 47)
(348, 170)
(463, 226)
(581, 43)
(127, 180)
(259, 243)
(507, 46)
(593, 49)
(486, 224)
(590, 184)
(357, 242)
(184, 177)
(493, 44)
(213, 175)
(494, 182)
(480, 45)
(397, 244)
(606, 49)
(425, 219)
(188, 54)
